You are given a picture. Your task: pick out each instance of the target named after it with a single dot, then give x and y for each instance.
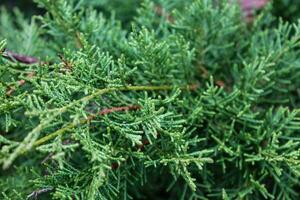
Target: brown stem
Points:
(160, 11)
(79, 43)
(19, 83)
(20, 58)
(83, 121)
(68, 66)
(36, 193)
(116, 109)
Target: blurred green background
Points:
(287, 9)
(28, 7)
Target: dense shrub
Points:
(165, 99)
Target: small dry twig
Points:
(19, 57)
(19, 83)
(36, 193)
(160, 11)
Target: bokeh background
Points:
(27, 6)
(287, 9)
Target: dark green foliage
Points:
(149, 100)
(287, 9)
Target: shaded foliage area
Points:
(287, 9)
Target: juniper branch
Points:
(30, 139)
(236, 137)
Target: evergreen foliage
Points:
(148, 100)
(288, 9)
